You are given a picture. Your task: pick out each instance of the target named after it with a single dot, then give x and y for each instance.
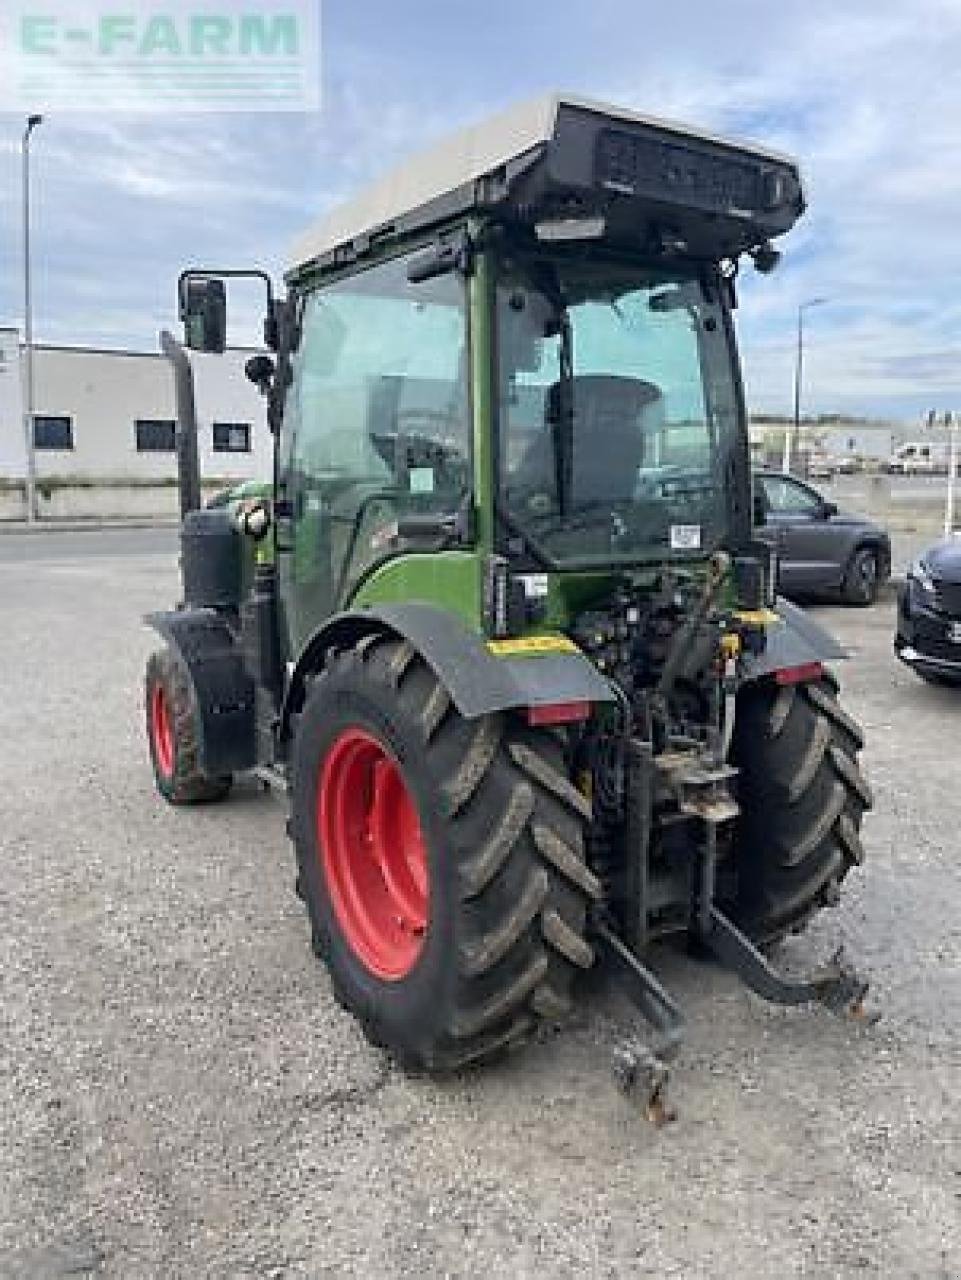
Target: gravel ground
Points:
(180, 1095)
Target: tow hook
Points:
(641, 1075)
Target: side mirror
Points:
(760, 512)
(260, 371)
(203, 309)
(828, 509)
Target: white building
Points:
(873, 440)
(104, 425)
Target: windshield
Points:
(617, 411)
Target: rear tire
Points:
(507, 885)
(802, 799)
(862, 578)
(172, 720)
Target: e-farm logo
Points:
(152, 55)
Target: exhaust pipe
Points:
(188, 458)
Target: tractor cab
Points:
(519, 346)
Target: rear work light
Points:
(558, 713)
(799, 675)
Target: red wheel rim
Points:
(161, 731)
(373, 854)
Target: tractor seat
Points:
(608, 439)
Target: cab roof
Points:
(562, 155)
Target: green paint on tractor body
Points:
(451, 580)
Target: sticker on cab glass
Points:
(421, 479)
(685, 537)
(535, 585)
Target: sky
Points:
(867, 95)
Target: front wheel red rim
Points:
(161, 731)
(373, 854)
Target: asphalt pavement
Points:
(22, 547)
(180, 1095)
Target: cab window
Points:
(377, 422)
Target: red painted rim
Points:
(373, 854)
(161, 730)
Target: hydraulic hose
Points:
(717, 570)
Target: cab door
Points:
(376, 427)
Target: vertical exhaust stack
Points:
(188, 457)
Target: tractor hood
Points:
(641, 182)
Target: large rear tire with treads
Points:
(441, 860)
(802, 799)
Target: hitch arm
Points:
(641, 987)
(837, 986)
(640, 1069)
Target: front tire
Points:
(441, 860)
(172, 723)
(802, 799)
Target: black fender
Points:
(478, 681)
(226, 695)
(794, 640)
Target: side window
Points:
(52, 432)
(380, 383)
(155, 435)
(377, 420)
(788, 498)
(231, 437)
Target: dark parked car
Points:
(929, 615)
(821, 550)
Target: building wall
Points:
(874, 441)
(105, 392)
(12, 452)
(865, 440)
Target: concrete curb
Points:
(84, 526)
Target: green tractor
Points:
(499, 627)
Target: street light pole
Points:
(953, 423)
(792, 441)
(32, 122)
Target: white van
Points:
(919, 458)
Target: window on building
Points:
(156, 435)
(52, 432)
(231, 437)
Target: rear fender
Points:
(226, 703)
(478, 681)
(795, 640)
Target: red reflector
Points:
(558, 713)
(798, 675)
